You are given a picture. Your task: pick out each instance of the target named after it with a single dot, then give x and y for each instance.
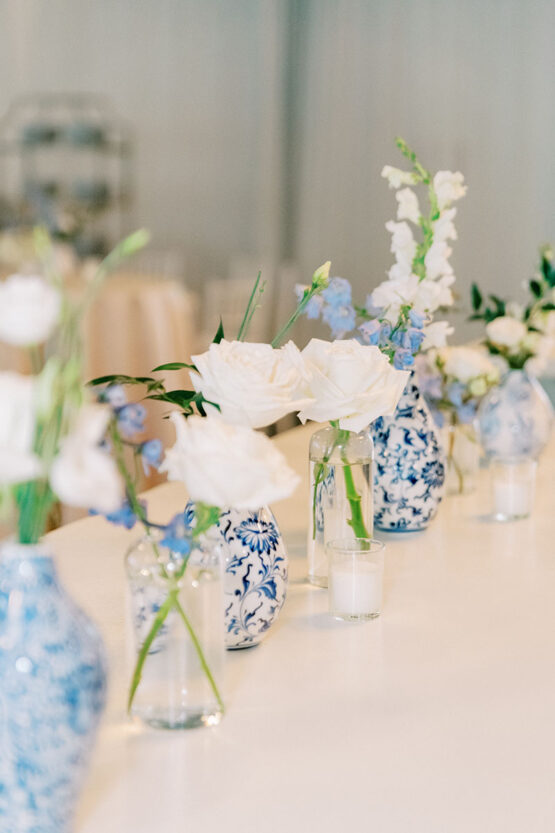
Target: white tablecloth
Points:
(435, 718)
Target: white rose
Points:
(408, 208)
(253, 384)
(29, 310)
(443, 228)
(448, 187)
(228, 466)
(403, 244)
(435, 334)
(18, 463)
(544, 356)
(506, 332)
(436, 260)
(465, 363)
(350, 382)
(83, 474)
(396, 177)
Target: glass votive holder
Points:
(513, 487)
(355, 578)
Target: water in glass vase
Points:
(180, 682)
(341, 503)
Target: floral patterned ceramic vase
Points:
(409, 465)
(52, 693)
(515, 418)
(255, 577)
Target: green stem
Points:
(200, 655)
(357, 520)
(451, 459)
(250, 310)
(159, 620)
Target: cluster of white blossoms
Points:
(513, 339)
(422, 276)
(469, 365)
(81, 473)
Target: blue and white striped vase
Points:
(409, 465)
(52, 693)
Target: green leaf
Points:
(122, 379)
(174, 366)
(549, 307)
(476, 297)
(535, 288)
(220, 333)
(183, 398)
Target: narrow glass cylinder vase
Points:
(180, 682)
(462, 451)
(341, 503)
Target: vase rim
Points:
(10, 549)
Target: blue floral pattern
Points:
(52, 693)
(515, 418)
(409, 466)
(255, 579)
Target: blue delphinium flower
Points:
(385, 333)
(151, 454)
(370, 332)
(131, 419)
(415, 339)
(455, 393)
(417, 319)
(114, 395)
(340, 319)
(314, 306)
(403, 359)
(124, 516)
(466, 412)
(177, 534)
(338, 293)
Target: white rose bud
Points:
(18, 463)
(29, 310)
(83, 474)
(506, 332)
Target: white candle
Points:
(355, 592)
(512, 500)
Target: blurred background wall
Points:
(261, 126)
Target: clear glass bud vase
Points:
(177, 610)
(341, 503)
(462, 452)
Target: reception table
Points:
(437, 717)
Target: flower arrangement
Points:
(521, 335)
(50, 436)
(397, 315)
(222, 460)
(454, 380)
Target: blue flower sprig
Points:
(334, 306)
(126, 423)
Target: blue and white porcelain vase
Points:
(255, 577)
(409, 465)
(515, 418)
(52, 693)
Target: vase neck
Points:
(27, 565)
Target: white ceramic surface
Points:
(436, 717)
